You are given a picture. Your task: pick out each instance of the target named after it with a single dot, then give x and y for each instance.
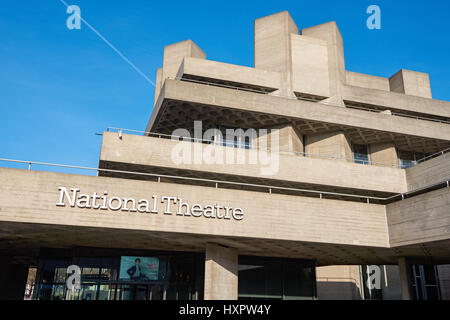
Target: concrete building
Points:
(336, 177)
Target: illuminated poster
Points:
(138, 268)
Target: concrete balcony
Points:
(421, 219)
(152, 154)
(397, 101)
(429, 172)
(325, 230)
(425, 217)
(180, 102)
(229, 74)
(276, 225)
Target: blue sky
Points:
(59, 87)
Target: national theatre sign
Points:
(171, 205)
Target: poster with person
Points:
(138, 268)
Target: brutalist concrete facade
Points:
(361, 176)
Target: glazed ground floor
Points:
(127, 274)
(90, 273)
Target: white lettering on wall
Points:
(169, 204)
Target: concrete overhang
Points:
(424, 218)
(139, 153)
(420, 220)
(181, 102)
(397, 101)
(229, 74)
(429, 172)
(328, 231)
(28, 200)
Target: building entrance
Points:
(121, 275)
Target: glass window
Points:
(270, 278)
(106, 292)
(360, 154)
(425, 284)
(170, 276)
(409, 158)
(298, 284)
(237, 141)
(406, 159)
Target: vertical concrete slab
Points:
(272, 47)
(289, 140)
(221, 273)
(310, 66)
(172, 59)
(174, 55)
(383, 153)
(411, 83)
(336, 60)
(328, 145)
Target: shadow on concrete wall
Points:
(335, 290)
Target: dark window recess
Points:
(408, 159)
(425, 283)
(275, 279)
(360, 153)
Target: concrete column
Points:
(390, 282)
(404, 269)
(221, 273)
(444, 280)
(384, 153)
(13, 279)
(328, 145)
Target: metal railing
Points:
(250, 147)
(217, 183)
(431, 156)
(214, 181)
